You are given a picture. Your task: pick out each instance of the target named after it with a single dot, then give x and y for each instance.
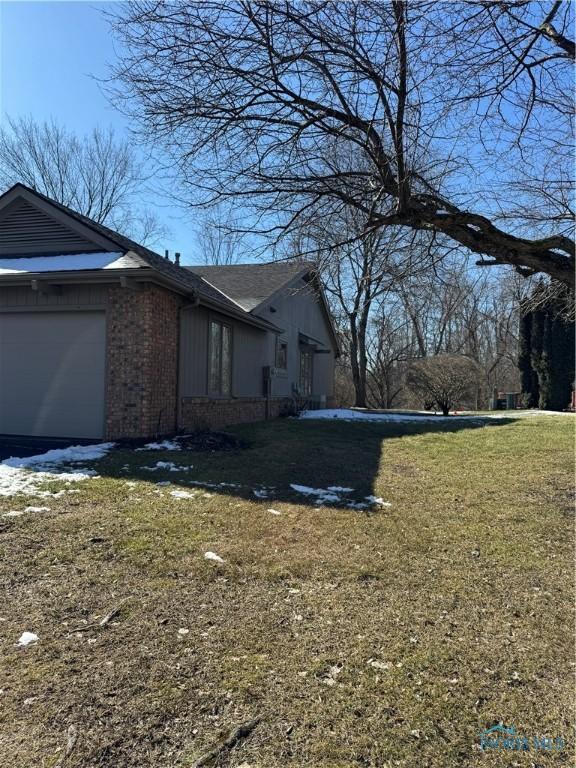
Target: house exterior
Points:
(101, 338)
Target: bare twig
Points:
(71, 739)
(103, 622)
(236, 735)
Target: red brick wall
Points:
(142, 361)
(142, 371)
(204, 413)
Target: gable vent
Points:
(28, 231)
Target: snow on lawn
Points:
(26, 638)
(323, 494)
(182, 494)
(348, 414)
(328, 496)
(507, 414)
(25, 475)
(213, 556)
(164, 445)
(169, 465)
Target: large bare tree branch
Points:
(252, 98)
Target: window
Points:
(306, 372)
(281, 355)
(220, 359)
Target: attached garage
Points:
(52, 373)
(101, 338)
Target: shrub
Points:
(443, 381)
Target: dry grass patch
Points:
(382, 639)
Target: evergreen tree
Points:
(546, 351)
(528, 376)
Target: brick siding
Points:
(142, 361)
(205, 413)
(142, 371)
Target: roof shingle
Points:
(150, 258)
(251, 284)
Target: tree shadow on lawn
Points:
(329, 457)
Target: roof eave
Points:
(136, 275)
(245, 317)
(312, 274)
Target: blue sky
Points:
(50, 53)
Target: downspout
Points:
(195, 301)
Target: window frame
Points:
(279, 343)
(309, 354)
(219, 392)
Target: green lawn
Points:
(383, 637)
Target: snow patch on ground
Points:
(164, 445)
(508, 414)
(323, 494)
(26, 638)
(58, 456)
(329, 496)
(181, 494)
(213, 556)
(348, 414)
(25, 475)
(169, 465)
(377, 500)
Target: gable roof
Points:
(237, 290)
(147, 257)
(249, 285)
(133, 256)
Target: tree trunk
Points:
(359, 390)
(357, 356)
(362, 356)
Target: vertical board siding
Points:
(69, 295)
(249, 355)
(298, 311)
(194, 352)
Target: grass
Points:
(387, 637)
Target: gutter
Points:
(135, 275)
(241, 315)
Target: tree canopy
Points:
(456, 118)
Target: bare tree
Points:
(436, 311)
(219, 240)
(443, 381)
(250, 98)
(389, 348)
(97, 175)
(357, 269)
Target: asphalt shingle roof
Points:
(148, 258)
(251, 284)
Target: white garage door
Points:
(52, 374)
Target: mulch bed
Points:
(201, 441)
